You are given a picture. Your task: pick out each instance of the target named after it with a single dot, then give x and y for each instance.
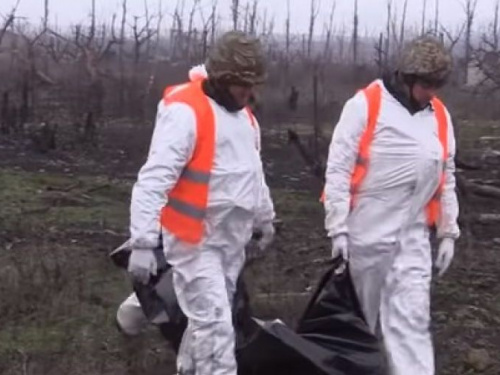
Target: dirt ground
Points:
(63, 212)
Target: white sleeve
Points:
(265, 210)
(448, 221)
(171, 148)
(341, 162)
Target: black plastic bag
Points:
(334, 321)
(331, 338)
(275, 349)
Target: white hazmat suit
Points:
(239, 202)
(387, 235)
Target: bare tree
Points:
(253, 18)
(8, 20)
(341, 39)
(388, 32)
(403, 26)
(312, 20)
(121, 63)
(92, 23)
(191, 31)
(246, 17)
(235, 9)
(329, 30)
(29, 65)
(177, 28)
(487, 55)
(424, 11)
(213, 19)
(287, 33)
(158, 24)
(142, 34)
(380, 54)
(355, 34)
(436, 17)
(206, 26)
(495, 27)
(453, 37)
(470, 12)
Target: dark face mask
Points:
(220, 93)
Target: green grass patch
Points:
(295, 204)
(41, 200)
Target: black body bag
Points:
(331, 337)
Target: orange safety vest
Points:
(373, 95)
(184, 214)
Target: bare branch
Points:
(328, 52)
(453, 37)
(213, 18)
(9, 20)
(253, 17)
(312, 20)
(235, 8)
(355, 33)
(403, 24)
(470, 12)
(436, 17)
(424, 9)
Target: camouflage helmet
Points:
(236, 58)
(426, 57)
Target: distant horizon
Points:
(372, 18)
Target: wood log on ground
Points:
(481, 190)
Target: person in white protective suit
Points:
(389, 180)
(203, 189)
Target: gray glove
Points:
(267, 236)
(142, 265)
(446, 251)
(340, 247)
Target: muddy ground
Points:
(63, 212)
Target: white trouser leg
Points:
(201, 280)
(405, 316)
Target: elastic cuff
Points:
(336, 234)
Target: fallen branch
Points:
(64, 189)
(96, 188)
(488, 218)
(317, 167)
(485, 191)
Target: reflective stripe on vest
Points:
(433, 209)
(184, 214)
(373, 95)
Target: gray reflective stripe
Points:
(361, 160)
(196, 176)
(186, 209)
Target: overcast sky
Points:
(372, 13)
